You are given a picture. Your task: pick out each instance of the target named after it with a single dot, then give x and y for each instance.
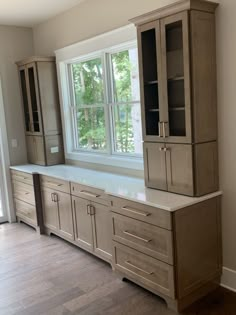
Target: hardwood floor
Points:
(42, 275)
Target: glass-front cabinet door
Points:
(27, 112)
(34, 98)
(176, 78)
(29, 87)
(149, 42)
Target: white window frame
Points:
(119, 39)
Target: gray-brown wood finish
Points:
(82, 223)
(204, 91)
(50, 209)
(155, 165)
(47, 276)
(179, 166)
(42, 111)
(102, 230)
(57, 212)
(197, 258)
(48, 89)
(27, 199)
(186, 91)
(170, 73)
(143, 253)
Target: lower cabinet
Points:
(179, 262)
(181, 168)
(92, 223)
(57, 212)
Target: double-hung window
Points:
(105, 102)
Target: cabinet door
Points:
(102, 228)
(33, 99)
(149, 48)
(65, 215)
(35, 150)
(82, 223)
(179, 166)
(176, 78)
(155, 165)
(24, 94)
(50, 209)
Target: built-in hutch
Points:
(167, 243)
(41, 108)
(177, 61)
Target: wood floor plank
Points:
(41, 275)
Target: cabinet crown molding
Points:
(35, 59)
(179, 6)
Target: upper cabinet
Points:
(177, 63)
(177, 73)
(40, 96)
(40, 99)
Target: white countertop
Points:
(127, 187)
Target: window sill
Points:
(110, 161)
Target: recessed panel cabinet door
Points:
(65, 215)
(102, 227)
(179, 167)
(50, 209)
(82, 223)
(155, 165)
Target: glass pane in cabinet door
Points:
(150, 81)
(33, 98)
(175, 79)
(25, 100)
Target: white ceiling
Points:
(31, 12)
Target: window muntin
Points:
(106, 103)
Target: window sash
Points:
(109, 103)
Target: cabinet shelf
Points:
(150, 82)
(177, 108)
(176, 78)
(153, 110)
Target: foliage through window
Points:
(106, 103)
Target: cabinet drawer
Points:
(55, 184)
(25, 210)
(23, 192)
(144, 269)
(155, 216)
(90, 193)
(22, 177)
(144, 237)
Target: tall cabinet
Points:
(41, 110)
(178, 94)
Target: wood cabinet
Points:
(83, 223)
(92, 221)
(27, 200)
(174, 260)
(41, 110)
(57, 211)
(178, 93)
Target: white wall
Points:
(93, 17)
(16, 43)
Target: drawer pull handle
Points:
(54, 184)
(21, 177)
(27, 193)
(136, 236)
(87, 193)
(144, 271)
(144, 214)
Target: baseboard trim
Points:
(228, 279)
